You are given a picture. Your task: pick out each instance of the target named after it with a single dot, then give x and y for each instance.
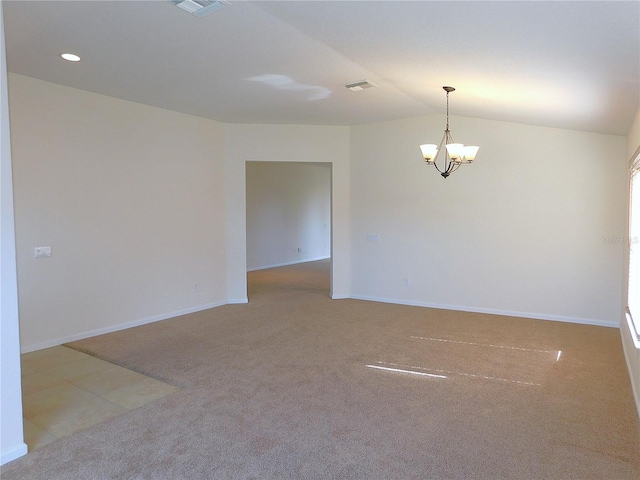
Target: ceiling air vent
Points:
(361, 85)
(199, 7)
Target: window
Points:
(633, 294)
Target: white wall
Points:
(524, 231)
(12, 443)
(630, 342)
(131, 200)
(286, 143)
(106, 183)
(633, 137)
(288, 213)
(144, 208)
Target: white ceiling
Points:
(563, 64)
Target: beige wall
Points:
(131, 200)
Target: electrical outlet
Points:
(405, 281)
(40, 252)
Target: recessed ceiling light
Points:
(70, 57)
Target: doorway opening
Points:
(288, 225)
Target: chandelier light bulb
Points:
(429, 152)
(470, 153)
(455, 151)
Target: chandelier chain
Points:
(447, 111)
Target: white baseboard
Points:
(114, 328)
(276, 265)
(491, 311)
(234, 301)
(13, 453)
(631, 353)
(634, 388)
(337, 296)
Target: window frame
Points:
(633, 242)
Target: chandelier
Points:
(457, 154)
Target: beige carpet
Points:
(297, 386)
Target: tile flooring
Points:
(64, 391)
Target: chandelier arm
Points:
(443, 142)
(436, 165)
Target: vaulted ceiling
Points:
(565, 64)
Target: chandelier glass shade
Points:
(456, 154)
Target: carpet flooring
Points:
(294, 385)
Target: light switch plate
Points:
(40, 252)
